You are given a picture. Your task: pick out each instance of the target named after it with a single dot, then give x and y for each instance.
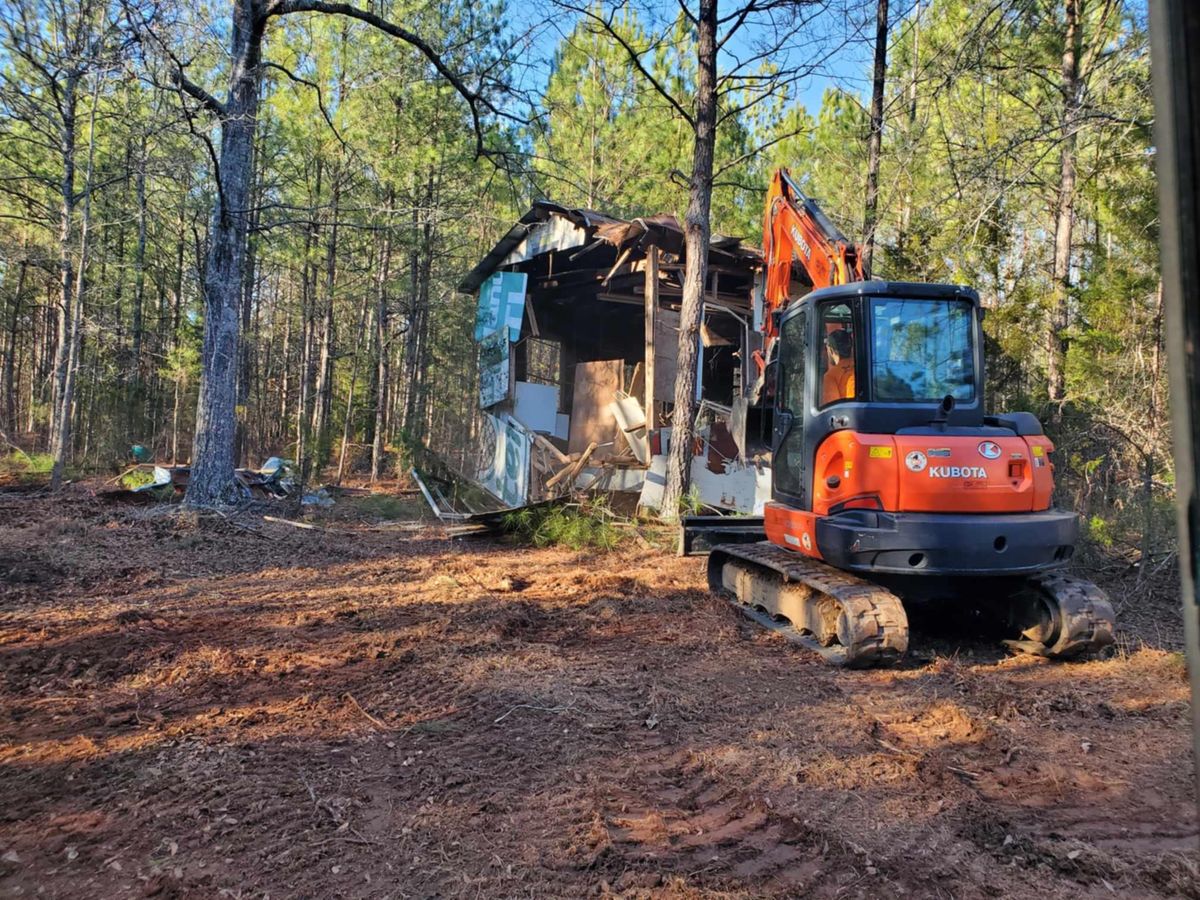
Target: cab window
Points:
(921, 350)
(837, 363)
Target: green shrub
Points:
(576, 525)
(24, 466)
(1098, 531)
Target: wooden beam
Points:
(651, 302)
(551, 449)
(570, 472)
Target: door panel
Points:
(788, 438)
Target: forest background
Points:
(1016, 156)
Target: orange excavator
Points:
(890, 482)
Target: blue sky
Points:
(848, 64)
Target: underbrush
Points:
(23, 467)
(380, 507)
(590, 524)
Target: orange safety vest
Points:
(838, 383)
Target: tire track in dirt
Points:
(700, 825)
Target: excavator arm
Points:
(795, 228)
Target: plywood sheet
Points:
(596, 386)
(666, 353)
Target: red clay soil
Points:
(231, 707)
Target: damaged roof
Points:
(579, 226)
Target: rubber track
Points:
(1086, 618)
(876, 616)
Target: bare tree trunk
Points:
(382, 365)
(10, 349)
(65, 308)
(248, 290)
(61, 443)
(284, 383)
(875, 139)
(906, 208)
(412, 339)
(422, 360)
(139, 282)
(212, 481)
(1056, 339)
(347, 422)
(175, 424)
(697, 229)
(324, 394)
(307, 332)
(1148, 536)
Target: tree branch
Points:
(474, 98)
(320, 97)
(189, 87)
(635, 58)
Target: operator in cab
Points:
(838, 383)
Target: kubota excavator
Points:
(889, 480)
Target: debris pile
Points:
(275, 480)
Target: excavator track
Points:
(1063, 617)
(847, 620)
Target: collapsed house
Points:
(577, 330)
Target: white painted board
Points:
(537, 406)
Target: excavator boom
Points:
(796, 229)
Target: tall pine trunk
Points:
(10, 348)
(65, 309)
(902, 238)
(65, 407)
(383, 351)
(139, 290)
(212, 481)
(249, 286)
(697, 230)
(1056, 339)
(875, 138)
(324, 394)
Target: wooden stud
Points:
(651, 303)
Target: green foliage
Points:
(690, 503)
(25, 468)
(579, 526)
(610, 142)
(20, 463)
(136, 478)
(1098, 531)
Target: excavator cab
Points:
(884, 461)
(875, 357)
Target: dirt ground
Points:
(234, 707)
